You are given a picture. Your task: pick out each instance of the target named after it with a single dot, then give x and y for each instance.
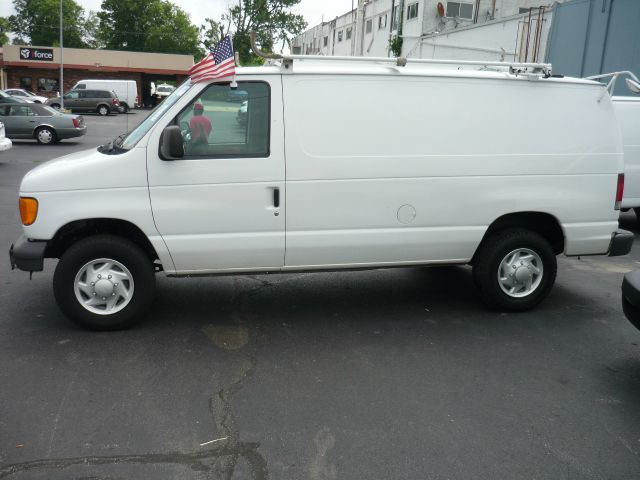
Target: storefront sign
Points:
(39, 54)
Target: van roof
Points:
(301, 67)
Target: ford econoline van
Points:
(337, 165)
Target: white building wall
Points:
(426, 29)
(498, 40)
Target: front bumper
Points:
(27, 255)
(621, 242)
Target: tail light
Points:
(137, 100)
(115, 101)
(76, 123)
(619, 191)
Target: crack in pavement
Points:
(218, 462)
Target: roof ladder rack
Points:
(516, 68)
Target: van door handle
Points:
(276, 197)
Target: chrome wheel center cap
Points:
(523, 274)
(104, 288)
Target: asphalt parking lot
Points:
(386, 374)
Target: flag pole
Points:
(61, 62)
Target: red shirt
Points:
(200, 128)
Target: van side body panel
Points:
(402, 170)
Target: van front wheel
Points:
(515, 269)
(104, 282)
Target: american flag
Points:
(219, 63)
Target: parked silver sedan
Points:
(40, 122)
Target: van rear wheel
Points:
(515, 269)
(104, 282)
(103, 110)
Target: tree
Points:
(172, 32)
(92, 30)
(272, 20)
(211, 33)
(39, 22)
(147, 25)
(5, 28)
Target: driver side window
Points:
(224, 122)
(71, 95)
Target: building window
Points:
(412, 11)
(382, 21)
(368, 26)
(348, 33)
(325, 41)
(340, 36)
(294, 50)
(460, 10)
(394, 18)
(25, 83)
(48, 84)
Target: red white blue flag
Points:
(218, 64)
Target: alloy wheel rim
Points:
(520, 272)
(104, 286)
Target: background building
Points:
(579, 37)
(425, 24)
(38, 68)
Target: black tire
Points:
(637, 212)
(45, 135)
(115, 248)
(103, 110)
(125, 107)
(487, 264)
(56, 106)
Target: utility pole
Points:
(61, 62)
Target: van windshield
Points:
(136, 134)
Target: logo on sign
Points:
(42, 54)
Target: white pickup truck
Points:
(340, 165)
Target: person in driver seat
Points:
(200, 126)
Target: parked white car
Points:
(5, 143)
(26, 95)
(163, 90)
(340, 165)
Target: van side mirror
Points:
(171, 146)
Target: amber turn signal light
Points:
(28, 210)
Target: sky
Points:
(312, 10)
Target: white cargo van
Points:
(126, 90)
(627, 110)
(339, 165)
